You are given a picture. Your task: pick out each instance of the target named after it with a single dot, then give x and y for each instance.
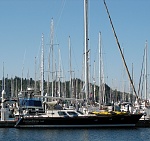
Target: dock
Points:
(143, 123)
(7, 124)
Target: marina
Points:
(48, 106)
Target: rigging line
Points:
(24, 58)
(142, 87)
(61, 11)
(96, 50)
(120, 50)
(60, 14)
(141, 73)
(75, 59)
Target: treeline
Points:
(13, 87)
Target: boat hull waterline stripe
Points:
(81, 126)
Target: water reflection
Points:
(26, 134)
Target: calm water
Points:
(12, 134)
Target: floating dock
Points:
(143, 123)
(7, 124)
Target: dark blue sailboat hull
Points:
(80, 121)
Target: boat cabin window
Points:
(38, 103)
(80, 112)
(62, 113)
(30, 102)
(72, 113)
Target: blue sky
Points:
(22, 23)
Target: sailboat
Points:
(56, 116)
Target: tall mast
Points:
(52, 27)
(22, 70)
(35, 77)
(12, 87)
(3, 82)
(59, 84)
(48, 77)
(86, 46)
(55, 94)
(42, 67)
(21, 79)
(63, 84)
(94, 81)
(100, 73)
(146, 70)
(89, 75)
(16, 88)
(70, 68)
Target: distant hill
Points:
(13, 87)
